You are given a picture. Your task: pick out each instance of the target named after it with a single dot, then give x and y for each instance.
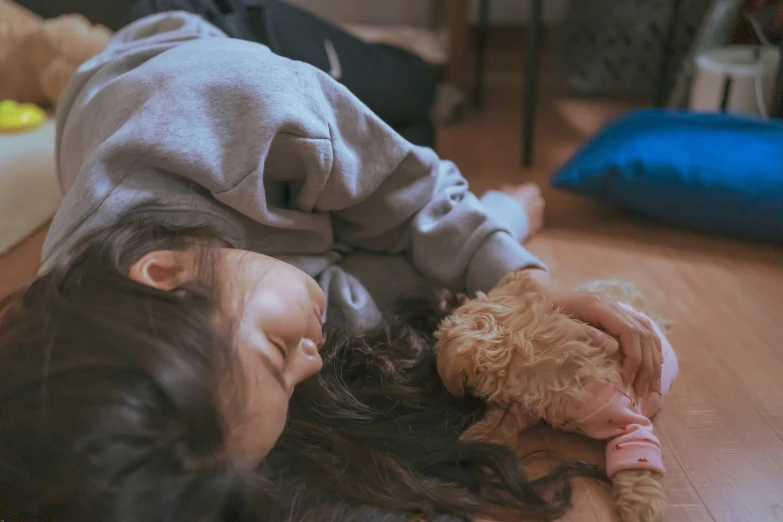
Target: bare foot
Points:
(529, 196)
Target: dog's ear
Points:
(471, 348)
(454, 381)
(450, 362)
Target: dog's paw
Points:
(640, 496)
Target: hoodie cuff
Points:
(507, 211)
(499, 255)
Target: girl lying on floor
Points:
(221, 205)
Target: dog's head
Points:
(513, 346)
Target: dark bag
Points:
(395, 84)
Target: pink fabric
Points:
(620, 417)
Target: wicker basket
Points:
(611, 47)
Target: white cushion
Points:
(29, 189)
(430, 45)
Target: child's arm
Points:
(282, 143)
(387, 195)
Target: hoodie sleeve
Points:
(285, 145)
(387, 195)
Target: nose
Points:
(307, 361)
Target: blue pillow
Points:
(712, 172)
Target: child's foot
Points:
(529, 196)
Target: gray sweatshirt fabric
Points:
(176, 121)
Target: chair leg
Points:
(480, 52)
(668, 44)
(531, 83)
(777, 108)
(456, 14)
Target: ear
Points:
(164, 269)
(452, 364)
(451, 374)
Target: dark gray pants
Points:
(395, 84)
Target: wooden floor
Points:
(722, 427)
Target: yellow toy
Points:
(17, 117)
(37, 57)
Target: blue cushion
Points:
(712, 172)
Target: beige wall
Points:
(516, 11)
(414, 12)
(417, 12)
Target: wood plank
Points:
(685, 504)
(717, 420)
(721, 427)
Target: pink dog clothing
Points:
(618, 416)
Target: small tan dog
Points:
(532, 362)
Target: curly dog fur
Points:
(530, 361)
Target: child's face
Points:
(276, 312)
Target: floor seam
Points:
(677, 460)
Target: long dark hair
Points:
(109, 411)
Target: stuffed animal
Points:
(531, 362)
(39, 56)
(60, 47)
(18, 80)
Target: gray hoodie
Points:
(176, 121)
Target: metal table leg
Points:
(668, 45)
(777, 108)
(531, 83)
(481, 44)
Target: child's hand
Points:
(528, 195)
(640, 345)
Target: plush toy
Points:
(39, 56)
(531, 362)
(62, 45)
(18, 80)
